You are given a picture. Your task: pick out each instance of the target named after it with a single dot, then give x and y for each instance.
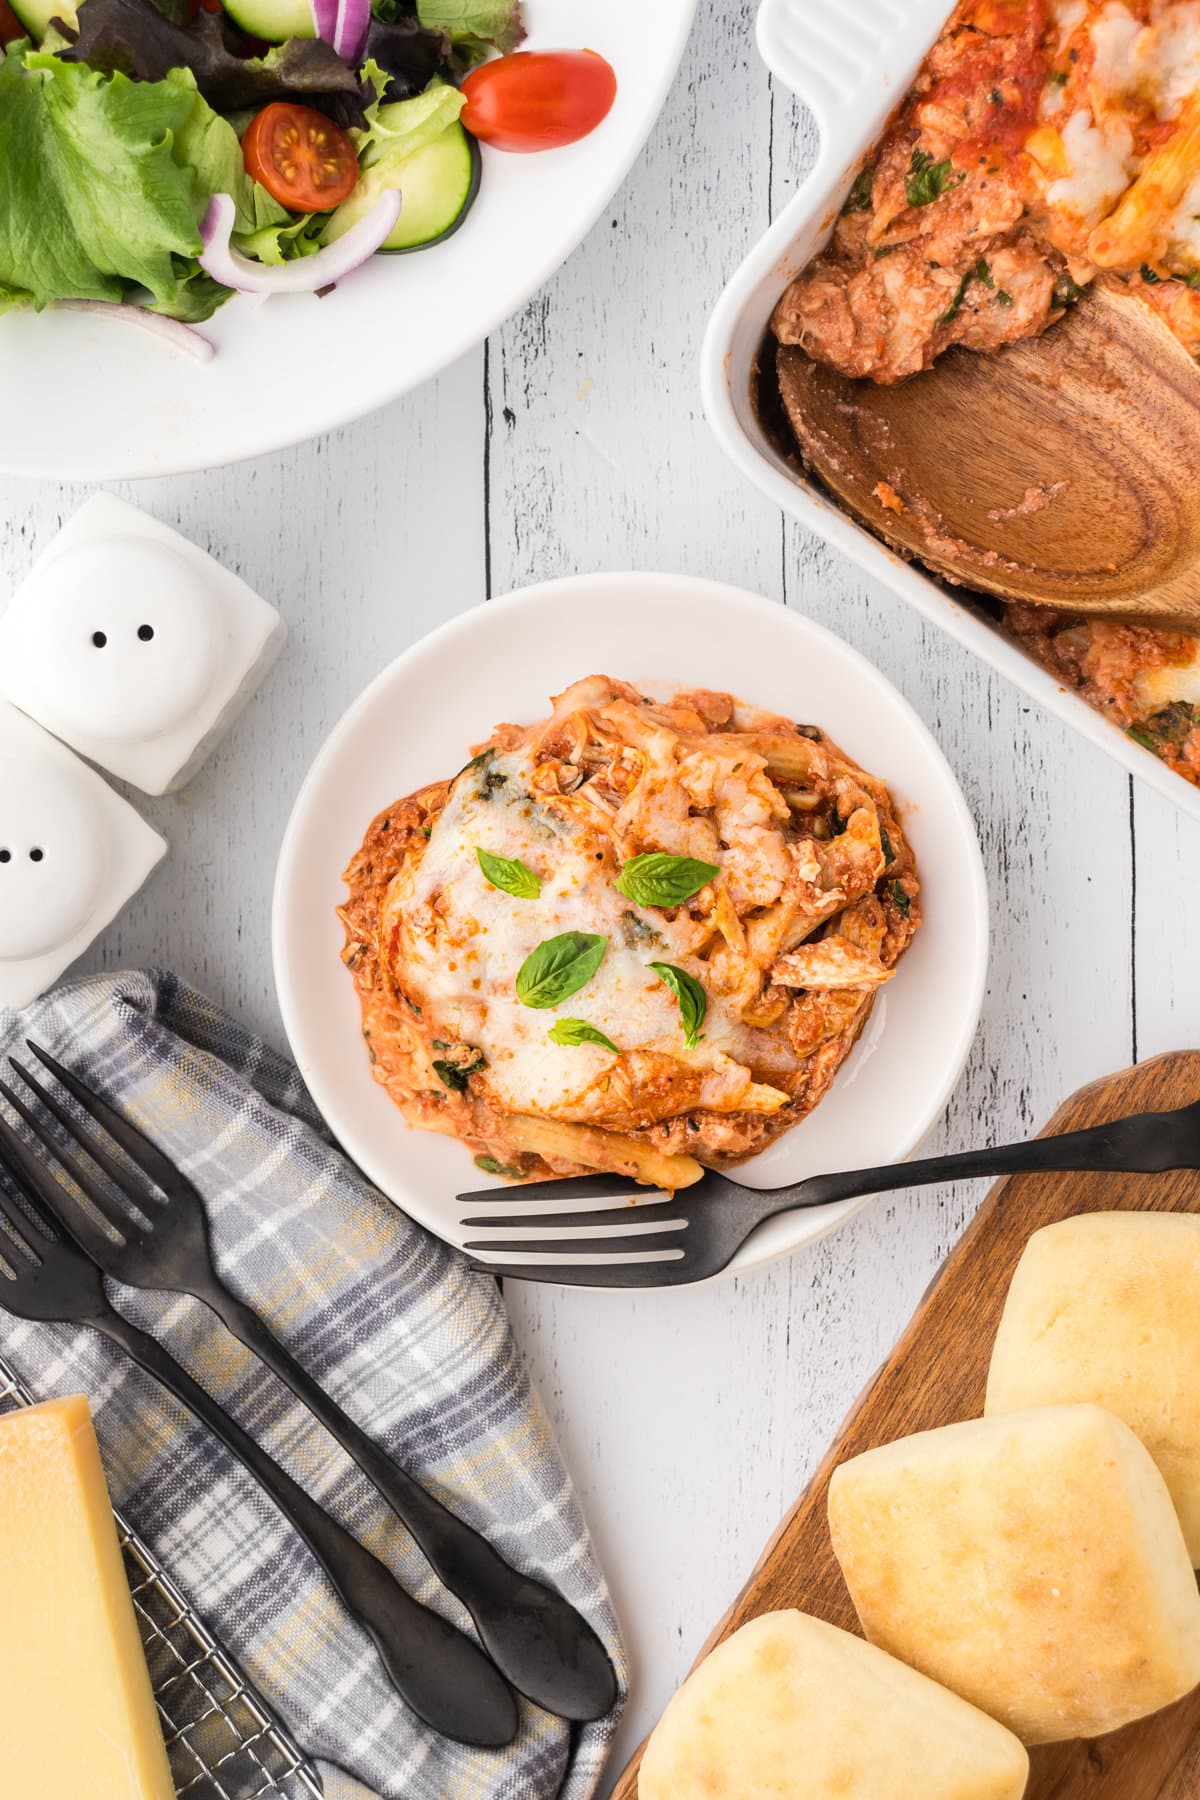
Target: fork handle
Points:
(1141, 1143)
(438, 1671)
(547, 1649)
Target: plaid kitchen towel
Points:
(389, 1321)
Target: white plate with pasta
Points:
(774, 1006)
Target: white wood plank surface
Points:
(576, 442)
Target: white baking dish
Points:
(852, 64)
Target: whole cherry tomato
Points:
(303, 159)
(538, 99)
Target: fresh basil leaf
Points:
(900, 898)
(1175, 723)
(693, 1001)
(578, 1031)
(928, 180)
(490, 1166)
(660, 880)
(454, 1075)
(509, 874)
(1066, 291)
(1141, 735)
(981, 273)
(558, 967)
(957, 301)
(861, 195)
(1003, 297)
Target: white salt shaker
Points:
(72, 852)
(133, 645)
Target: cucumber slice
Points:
(35, 15)
(439, 185)
(273, 20)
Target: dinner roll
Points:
(1106, 1307)
(790, 1708)
(1031, 1561)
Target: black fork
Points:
(545, 1648)
(440, 1673)
(668, 1240)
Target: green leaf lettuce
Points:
(104, 181)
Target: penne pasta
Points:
(563, 955)
(556, 1140)
(1140, 230)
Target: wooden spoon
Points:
(1064, 471)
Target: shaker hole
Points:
(99, 638)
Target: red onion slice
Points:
(350, 29)
(171, 331)
(228, 266)
(343, 24)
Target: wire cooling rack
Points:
(223, 1741)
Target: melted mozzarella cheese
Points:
(1101, 162)
(1069, 16)
(463, 942)
(1172, 57)
(1183, 233)
(1156, 63)
(1115, 46)
(1161, 687)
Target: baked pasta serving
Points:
(639, 936)
(1046, 145)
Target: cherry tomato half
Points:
(303, 159)
(11, 27)
(538, 99)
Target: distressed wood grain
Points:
(690, 1420)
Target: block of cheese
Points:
(77, 1716)
(790, 1708)
(1106, 1308)
(1032, 1562)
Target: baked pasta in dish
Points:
(1145, 679)
(1045, 144)
(639, 936)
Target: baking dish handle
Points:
(851, 63)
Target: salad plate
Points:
(663, 633)
(88, 398)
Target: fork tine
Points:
(611, 1275)
(653, 1212)
(22, 1230)
(136, 1145)
(63, 1206)
(90, 1143)
(32, 1181)
(574, 1189)
(580, 1244)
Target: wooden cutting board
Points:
(938, 1372)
